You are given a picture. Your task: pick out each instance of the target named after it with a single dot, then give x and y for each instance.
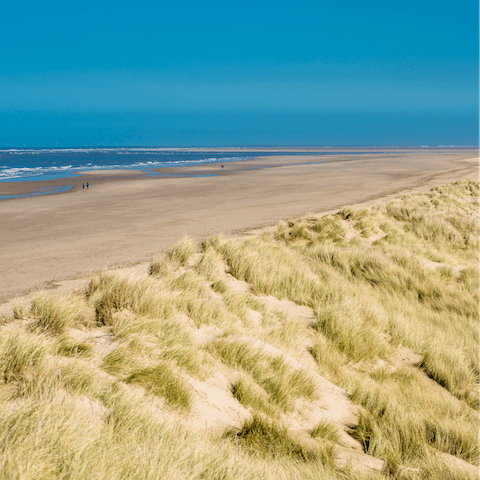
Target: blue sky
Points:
(224, 73)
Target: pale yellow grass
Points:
(109, 382)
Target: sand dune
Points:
(328, 346)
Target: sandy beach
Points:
(127, 217)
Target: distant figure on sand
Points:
(88, 185)
(83, 186)
(222, 166)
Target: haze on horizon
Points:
(269, 73)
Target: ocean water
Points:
(49, 163)
(36, 164)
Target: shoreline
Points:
(77, 181)
(10, 190)
(59, 237)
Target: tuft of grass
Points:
(110, 294)
(182, 250)
(21, 353)
(292, 231)
(283, 383)
(189, 282)
(220, 287)
(194, 361)
(287, 333)
(272, 268)
(20, 311)
(163, 266)
(269, 439)
(354, 328)
(329, 227)
(328, 358)
(211, 264)
(469, 277)
(251, 395)
(206, 311)
(163, 381)
(389, 430)
(121, 362)
(451, 370)
(55, 314)
(77, 376)
(69, 348)
(326, 430)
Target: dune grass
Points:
(54, 315)
(269, 439)
(250, 394)
(284, 387)
(163, 381)
(327, 431)
(20, 353)
(103, 383)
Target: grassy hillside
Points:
(338, 346)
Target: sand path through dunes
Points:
(70, 235)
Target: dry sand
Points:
(125, 219)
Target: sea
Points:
(39, 164)
(50, 163)
(35, 164)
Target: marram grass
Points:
(102, 383)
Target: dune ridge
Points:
(331, 346)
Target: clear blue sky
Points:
(229, 73)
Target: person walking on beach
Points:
(83, 186)
(88, 185)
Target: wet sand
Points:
(76, 182)
(122, 219)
